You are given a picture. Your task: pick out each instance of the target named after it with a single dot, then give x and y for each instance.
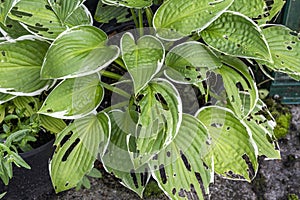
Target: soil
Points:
(276, 179)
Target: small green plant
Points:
(195, 54)
(20, 127)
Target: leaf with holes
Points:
(106, 13)
(252, 9)
(271, 11)
(79, 51)
(285, 49)
(5, 97)
(76, 150)
(262, 124)
(176, 19)
(117, 159)
(38, 17)
(235, 34)
(74, 98)
(20, 65)
(129, 3)
(5, 7)
(189, 62)
(237, 78)
(64, 8)
(13, 29)
(159, 118)
(143, 59)
(232, 151)
(179, 169)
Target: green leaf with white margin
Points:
(20, 65)
(13, 29)
(160, 116)
(237, 35)
(65, 8)
(30, 104)
(143, 59)
(6, 97)
(5, 7)
(129, 3)
(74, 98)
(38, 18)
(285, 49)
(77, 148)
(262, 124)
(79, 51)
(176, 19)
(238, 77)
(179, 169)
(117, 159)
(52, 124)
(232, 151)
(252, 9)
(105, 13)
(189, 62)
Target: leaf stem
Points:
(141, 22)
(120, 62)
(134, 17)
(109, 74)
(149, 15)
(118, 105)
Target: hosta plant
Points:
(174, 99)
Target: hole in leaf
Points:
(3, 53)
(187, 79)
(199, 179)
(49, 110)
(181, 193)
(168, 153)
(144, 177)
(289, 48)
(174, 191)
(70, 149)
(228, 128)
(155, 157)
(225, 37)
(188, 67)
(134, 179)
(294, 33)
(185, 161)
(67, 183)
(251, 170)
(162, 100)
(162, 173)
(217, 125)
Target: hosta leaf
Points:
(176, 19)
(79, 51)
(179, 169)
(189, 62)
(105, 13)
(252, 9)
(76, 150)
(237, 78)
(232, 148)
(5, 7)
(160, 115)
(52, 124)
(143, 59)
(13, 29)
(285, 49)
(20, 65)
(117, 159)
(5, 97)
(38, 17)
(64, 8)
(74, 98)
(129, 3)
(262, 124)
(234, 34)
(272, 10)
